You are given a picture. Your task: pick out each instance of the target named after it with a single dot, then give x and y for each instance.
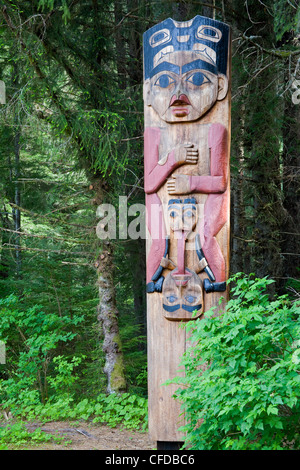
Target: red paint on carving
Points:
(216, 182)
(178, 105)
(216, 206)
(154, 174)
(215, 216)
(180, 112)
(180, 274)
(156, 228)
(180, 253)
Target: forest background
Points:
(73, 312)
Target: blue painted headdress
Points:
(207, 37)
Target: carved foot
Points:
(214, 286)
(155, 286)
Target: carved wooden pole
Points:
(186, 151)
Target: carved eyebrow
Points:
(172, 201)
(199, 64)
(165, 67)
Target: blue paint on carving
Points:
(203, 32)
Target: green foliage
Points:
(66, 15)
(101, 134)
(129, 410)
(248, 396)
(74, 92)
(42, 384)
(16, 435)
(33, 339)
(286, 17)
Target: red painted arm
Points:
(217, 181)
(154, 174)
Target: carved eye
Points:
(209, 33)
(190, 299)
(160, 37)
(197, 79)
(188, 213)
(172, 298)
(173, 214)
(164, 81)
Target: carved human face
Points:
(179, 302)
(182, 215)
(185, 87)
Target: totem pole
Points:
(186, 181)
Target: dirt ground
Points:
(90, 436)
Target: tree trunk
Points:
(16, 210)
(120, 45)
(108, 318)
(108, 315)
(15, 173)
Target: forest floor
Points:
(81, 435)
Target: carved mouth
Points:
(180, 112)
(178, 105)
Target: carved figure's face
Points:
(179, 302)
(185, 87)
(182, 215)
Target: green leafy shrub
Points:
(33, 339)
(249, 396)
(129, 410)
(41, 383)
(15, 435)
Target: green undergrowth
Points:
(16, 435)
(38, 382)
(127, 410)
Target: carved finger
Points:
(192, 153)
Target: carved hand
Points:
(179, 184)
(186, 153)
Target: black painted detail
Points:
(214, 286)
(200, 255)
(155, 286)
